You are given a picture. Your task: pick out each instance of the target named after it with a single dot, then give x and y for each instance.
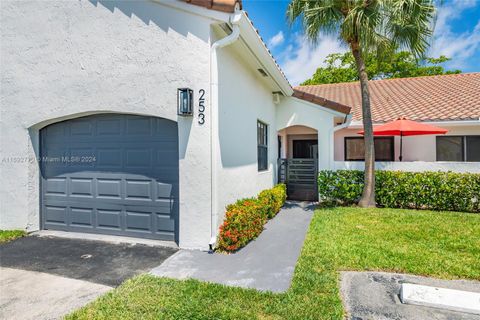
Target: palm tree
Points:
(368, 27)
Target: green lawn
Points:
(439, 244)
(9, 235)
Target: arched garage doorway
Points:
(111, 174)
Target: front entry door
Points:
(305, 149)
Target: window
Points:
(262, 146)
(458, 148)
(473, 148)
(355, 149)
(450, 148)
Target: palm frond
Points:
(316, 16)
(375, 25)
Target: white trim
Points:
(196, 10)
(454, 123)
(317, 106)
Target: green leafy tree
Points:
(341, 67)
(368, 27)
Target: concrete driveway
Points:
(47, 277)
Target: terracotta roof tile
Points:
(431, 98)
(218, 5)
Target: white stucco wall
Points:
(243, 99)
(290, 134)
(295, 112)
(415, 148)
(63, 59)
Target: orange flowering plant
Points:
(244, 219)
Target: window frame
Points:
(390, 138)
(262, 166)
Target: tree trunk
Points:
(368, 196)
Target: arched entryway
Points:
(298, 162)
(112, 174)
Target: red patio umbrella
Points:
(403, 127)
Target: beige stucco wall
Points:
(415, 148)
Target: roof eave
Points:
(252, 39)
(220, 16)
(320, 107)
(329, 104)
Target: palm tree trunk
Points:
(368, 196)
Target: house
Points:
(451, 102)
(145, 118)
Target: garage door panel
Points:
(164, 222)
(81, 128)
(138, 190)
(131, 187)
(138, 158)
(111, 219)
(56, 187)
(138, 221)
(109, 158)
(81, 187)
(81, 217)
(139, 126)
(55, 133)
(109, 127)
(56, 214)
(109, 188)
(164, 190)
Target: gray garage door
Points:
(111, 174)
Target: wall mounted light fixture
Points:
(185, 101)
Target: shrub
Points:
(244, 219)
(396, 189)
(273, 199)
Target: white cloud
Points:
(301, 59)
(457, 46)
(276, 40)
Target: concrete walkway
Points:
(266, 263)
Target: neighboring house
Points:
(97, 137)
(448, 101)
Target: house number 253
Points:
(201, 107)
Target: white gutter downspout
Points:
(348, 120)
(214, 145)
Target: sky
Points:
(456, 35)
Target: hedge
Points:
(446, 191)
(244, 219)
